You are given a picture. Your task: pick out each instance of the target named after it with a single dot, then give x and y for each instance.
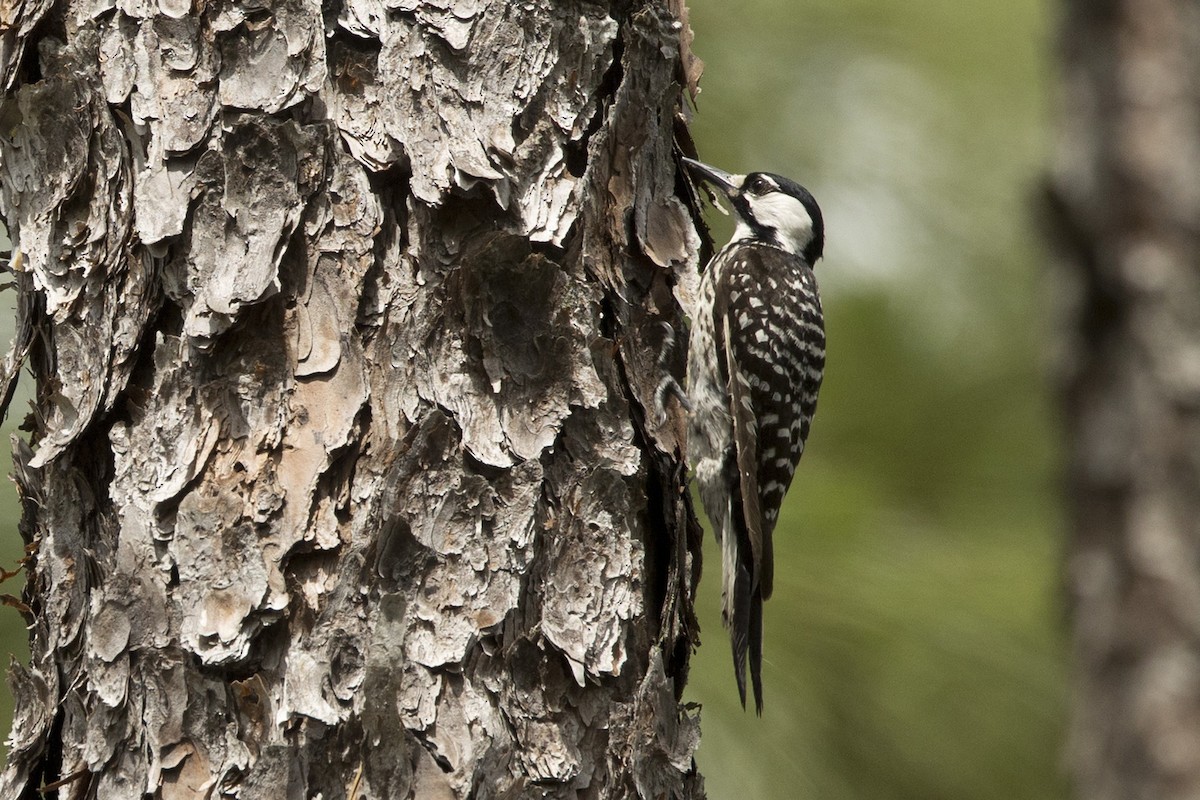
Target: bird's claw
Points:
(668, 387)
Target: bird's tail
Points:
(738, 622)
(756, 643)
(743, 608)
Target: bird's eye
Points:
(759, 185)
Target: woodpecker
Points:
(755, 361)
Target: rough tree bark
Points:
(1126, 217)
(346, 476)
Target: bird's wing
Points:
(745, 438)
(771, 344)
(736, 317)
(776, 340)
(745, 623)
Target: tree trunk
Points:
(1126, 203)
(347, 320)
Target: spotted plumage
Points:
(755, 362)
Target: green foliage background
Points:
(914, 642)
(13, 639)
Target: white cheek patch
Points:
(787, 216)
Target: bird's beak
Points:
(718, 179)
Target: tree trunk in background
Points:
(1126, 214)
(347, 477)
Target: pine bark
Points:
(1126, 216)
(347, 476)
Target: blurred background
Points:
(915, 643)
(14, 642)
(13, 638)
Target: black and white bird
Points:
(755, 361)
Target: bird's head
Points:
(770, 209)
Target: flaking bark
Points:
(346, 475)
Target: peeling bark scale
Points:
(345, 475)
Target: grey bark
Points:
(346, 476)
(1126, 214)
